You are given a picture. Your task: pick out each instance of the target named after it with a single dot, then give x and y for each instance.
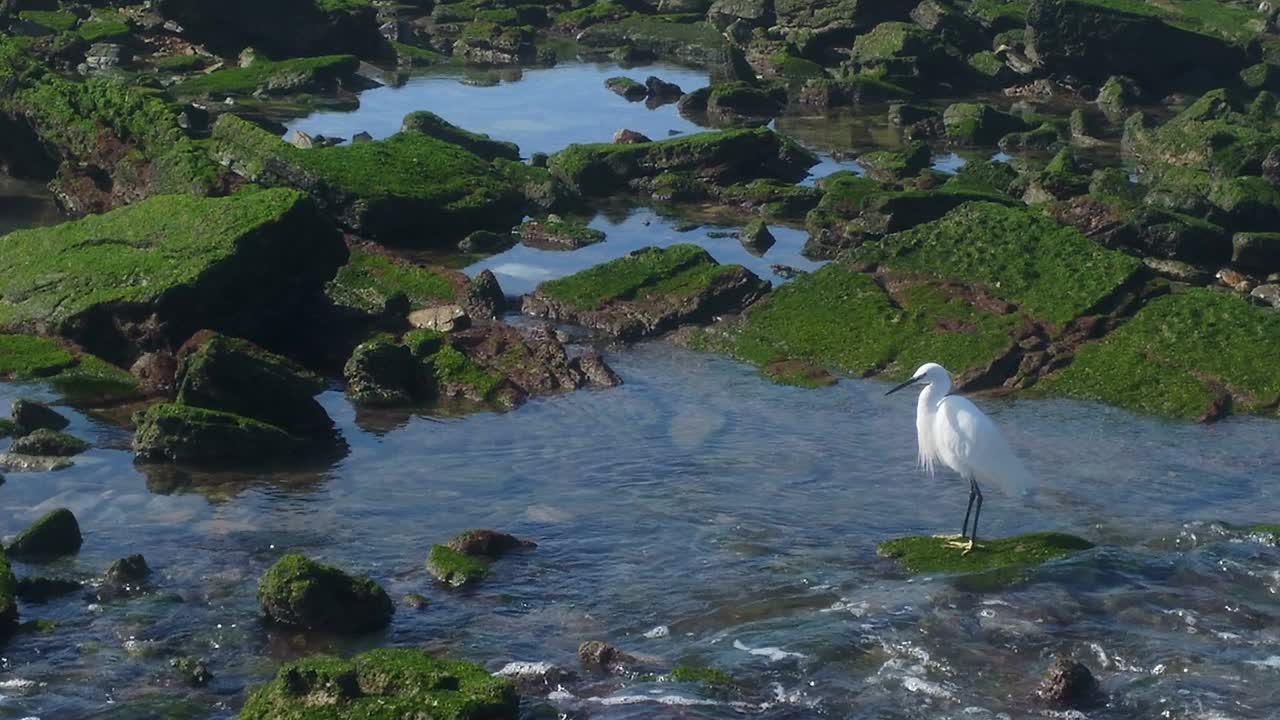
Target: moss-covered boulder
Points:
(265, 78)
(986, 290)
(683, 37)
(721, 158)
(908, 55)
(56, 533)
(153, 273)
(556, 233)
(388, 684)
(49, 443)
(171, 432)
(383, 372)
(742, 103)
(647, 293)
(219, 372)
(1096, 39)
(1257, 252)
(428, 123)
(934, 555)
(896, 164)
(29, 416)
(627, 88)
(378, 284)
(1117, 98)
(1195, 355)
(978, 124)
(410, 189)
(298, 592)
(79, 377)
(43, 589)
(466, 558)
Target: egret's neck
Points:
(930, 396)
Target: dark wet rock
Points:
(56, 533)
(598, 656)
(488, 543)
(486, 241)
(466, 558)
(14, 462)
(247, 265)
(414, 601)
(1068, 684)
(361, 137)
(48, 443)
(441, 318)
(627, 88)
(660, 89)
(219, 372)
(171, 432)
(627, 299)
(1043, 138)
(156, 371)
(733, 67)
(8, 599)
(949, 25)
(1082, 128)
(428, 123)
(1257, 252)
(630, 137)
(896, 164)
(905, 114)
(126, 575)
(535, 678)
(193, 671)
(978, 124)
(298, 592)
(381, 372)
(755, 13)
(722, 158)
(1178, 271)
(484, 298)
(786, 271)
(410, 189)
(907, 55)
(488, 43)
(1094, 41)
(597, 372)
(29, 416)
(539, 159)
(737, 102)
(288, 29)
(44, 589)
(555, 233)
(756, 237)
(694, 104)
(387, 684)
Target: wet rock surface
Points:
(1068, 684)
(299, 592)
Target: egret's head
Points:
(926, 374)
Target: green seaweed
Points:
(454, 568)
(678, 268)
(934, 555)
(263, 73)
(702, 675)
(56, 20)
(369, 280)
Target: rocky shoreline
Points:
(211, 278)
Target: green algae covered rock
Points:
(29, 416)
(978, 124)
(933, 555)
(555, 233)
(78, 376)
(1197, 354)
(302, 593)
(720, 157)
(286, 77)
(378, 284)
(410, 189)
(455, 568)
(711, 677)
(428, 123)
(648, 292)
(8, 598)
(48, 443)
(684, 37)
(218, 372)
(245, 264)
(896, 164)
(387, 684)
(383, 372)
(56, 533)
(182, 433)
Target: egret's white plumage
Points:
(952, 431)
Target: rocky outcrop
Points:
(56, 533)
(287, 28)
(301, 593)
(650, 292)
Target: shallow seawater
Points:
(539, 109)
(520, 269)
(699, 515)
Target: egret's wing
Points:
(972, 437)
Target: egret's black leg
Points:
(973, 493)
(973, 537)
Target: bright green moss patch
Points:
(182, 63)
(416, 56)
(370, 279)
(79, 377)
(933, 555)
(284, 75)
(682, 36)
(1178, 354)
(676, 269)
(24, 357)
(452, 368)
(1051, 272)
(133, 254)
(180, 433)
(387, 684)
(56, 20)
(703, 675)
(104, 29)
(454, 568)
(793, 68)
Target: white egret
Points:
(952, 430)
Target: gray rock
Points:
(30, 416)
(443, 318)
(1268, 294)
(535, 678)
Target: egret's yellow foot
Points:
(965, 546)
(944, 536)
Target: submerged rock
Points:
(630, 137)
(301, 593)
(647, 293)
(466, 558)
(13, 462)
(30, 416)
(48, 443)
(8, 599)
(43, 589)
(193, 671)
(56, 533)
(934, 555)
(126, 575)
(627, 88)
(756, 237)
(1068, 684)
(599, 656)
(389, 684)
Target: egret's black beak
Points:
(908, 383)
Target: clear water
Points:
(697, 514)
